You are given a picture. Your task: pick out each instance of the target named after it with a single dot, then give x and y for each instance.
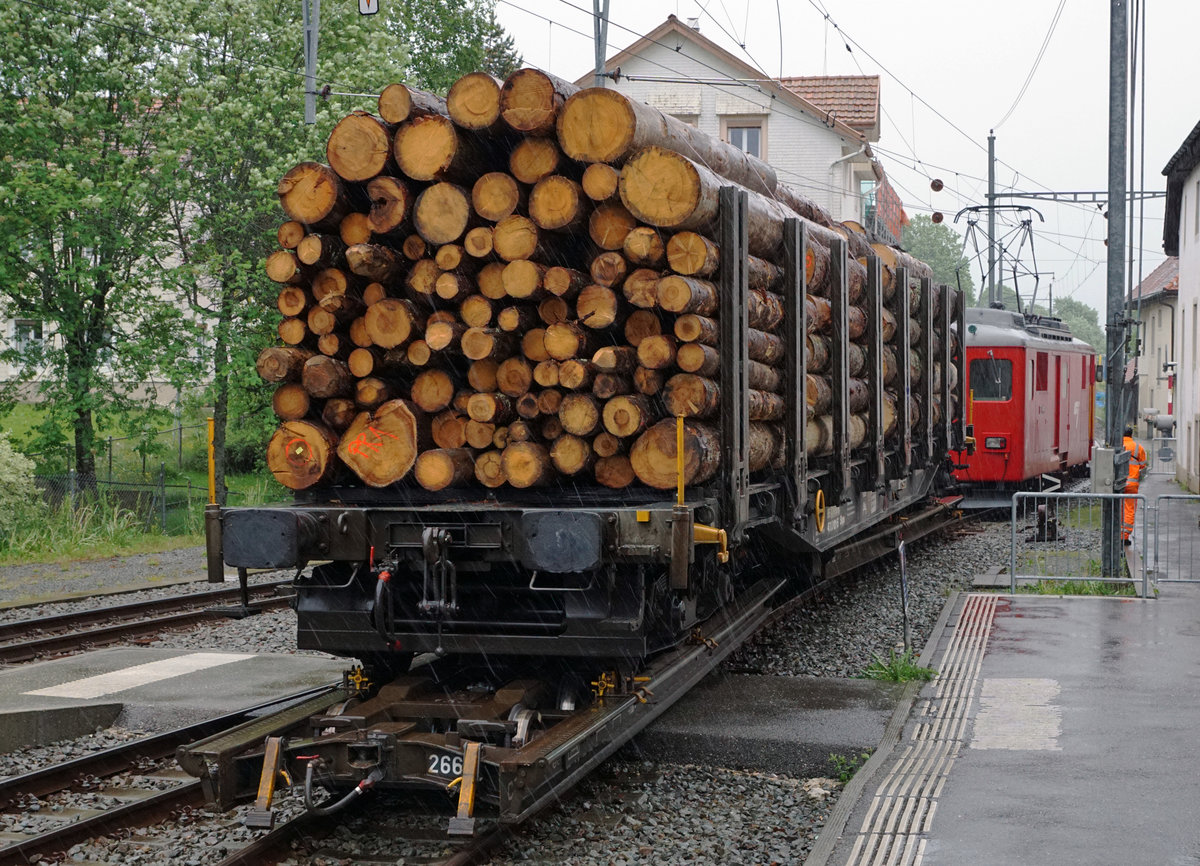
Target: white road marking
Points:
(139, 675)
(1018, 714)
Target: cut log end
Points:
(301, 454)
(654, 454)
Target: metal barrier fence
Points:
(169, 508)
(1176, 520)
(1160, 456)
(182, 446)
(1058, 537)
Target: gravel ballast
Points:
(632, 811)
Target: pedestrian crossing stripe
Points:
(139, 675)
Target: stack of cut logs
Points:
(514, 285)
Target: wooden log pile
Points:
(516, 285)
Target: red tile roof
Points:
(1164, 278)
(852, 99)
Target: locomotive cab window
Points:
(991, 379)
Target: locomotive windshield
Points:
(991, 379)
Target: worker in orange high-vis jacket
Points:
(1137, 459)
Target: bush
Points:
(19, 497)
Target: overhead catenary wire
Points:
(1036, 62)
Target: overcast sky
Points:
(967, 61)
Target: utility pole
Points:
(1114, 367)
(600, 14)
(312, 26)
(991, 200)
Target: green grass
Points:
(102, 529)
(898, 668)
(845, 766)
(1079, 587)
(22, 421)
(1085, 517)
(93, 531)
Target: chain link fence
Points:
(170, 508)
(149, 476)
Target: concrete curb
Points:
(832, 832)
(22, 728)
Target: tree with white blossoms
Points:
(83, 207)
(238, 91)
(142, 144)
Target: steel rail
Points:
(138, 813)
(277, 844)
(66, 642)
(60, 777)
(19, 628)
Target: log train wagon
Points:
(1030, 401)
(563, 382)
(550, 388)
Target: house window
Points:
(866, 191)
(746, 133)
(747, 138)
(27, 338)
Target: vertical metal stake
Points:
(904, 368)
(600, 13)
(904, 593)
(795, 241)
(312, 27)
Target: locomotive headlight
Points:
(995, 443)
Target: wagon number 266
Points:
(445, 765)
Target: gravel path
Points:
(630, 812)
(23, 584)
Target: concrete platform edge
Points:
(832, 832)
(20, 729)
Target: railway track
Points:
(30, 639)
(314, 832)
(161, 790)
(160, 793)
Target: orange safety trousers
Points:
(1130, 510)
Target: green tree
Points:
(940, 247)
(1083, 321)
(448, 38)
(240, 97)
(82, 207)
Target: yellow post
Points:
(212, 464)
(679, 456)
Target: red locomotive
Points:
(1031, 400)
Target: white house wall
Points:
(1187, 331)
(801, 149)
(1157, 343)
